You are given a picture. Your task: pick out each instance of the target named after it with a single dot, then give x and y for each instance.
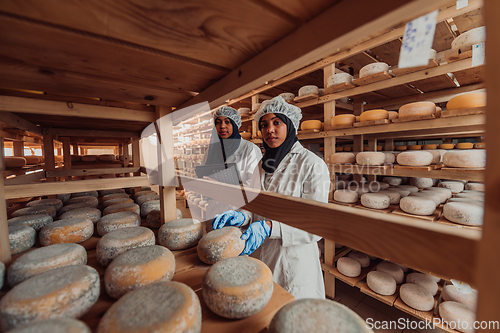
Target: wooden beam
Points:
(29, 105)
(50, 164)
(25, 179)
(136, 155)
(15, 121)
(66, 155)
(88, 172)
(126, 156)
(89, 133)
(4, 229)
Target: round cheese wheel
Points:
(464, 213)
(21, 238)
(374, 68)
(467, 101)
(310, 124)
(106, 158)
(141, 193)
(61, 292)
(458, 316)
(317, 315)
(220, 244)
(434, 196)
(417, 109)
(122, 207)
(75, 206)
(14, 162)
(414, 147)
(375, 200)
(180, 234)
(393, 270)
(64, 197)
(417, 205)
(410, 188)
(117, 221)
(157, 307)
(338, 79)
(464, 145)
(103, 193)
(133, 191)
(480, 145)
(44, 259)
(470, 194)
(390, 158)
(343, 158)
(153, 219)
(115, 201)
(465, 159)
(421, 182)
(363, 259)
(237, 287)
(349, 267)
(59, 325)
(423, 280)
(415, 158)
(450, 293)
(393, 115)
(416, 297)
(287, 96)
(446, 146)
(88, 199)
(401, 191)
(442, 190)
(370, 158)
(346, 196)
(474, 186)
(343, 119)
(358, 119)
(311, 89)
(247, 110)
(392, 181)
(375, 186)
(56, 203)
(35, 210)
(68, 230)
(381, 283)
(437, 196)
(401, 148)
(454, 187)
(113, 196)
(429, 146)
(92, 214)
(394, 196)
(118, 241)
(89, 158)
(465, 40)
(148, 197)
(138, 267)
(36, 221)
(374, 115)
(149, 206)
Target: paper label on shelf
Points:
(462, 4)
(462, 287)
(417, 41)
(477, 54)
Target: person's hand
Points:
(255, 236)
(231, 217)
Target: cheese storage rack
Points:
(463, 254)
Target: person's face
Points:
(224, 127)
(273, 130)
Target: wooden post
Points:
(50, 165)
(66, 155)
(255, 127)
(372, 146)
(388, 145)
(18, 148)
(76, 150)
(4, 229)
(357, 140)
(487, 273)
(136, 155)
(126, 157)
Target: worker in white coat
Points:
(286, 168)
(227, 146)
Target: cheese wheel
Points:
(111, 196)
(437, 196)
(143, 198)
(414, 147)
(103, 193)
(122, 207)
(375, 200)
(454, 187)
(61, 292)
(349, 267)
(310, 124)
(35, 210)
(91, 193)
(92, 214)
(437, 155)
(141, 193)
(317, 315)
(118, 241)
(220, 244)
(346, 196)
(89, 158)
(180, 234)
(56, 203)
(363, 259)
(153, 219)
(417, 109)
(480, 145)
(117, 221)
(14, 162)
(381, 283)
(401, 191)
(106, 157)
(44, 259)
(149, 206)
(429, 146)
(464, 213)
(394, 196)
(374, 68)
(465, 159)
(415, 158)
(115, 201)
(416, 297)
(465, 40)
(410, 188)
(21, 238)
(374, 115)
(70, 230)
(338, 79)
(30, 160)
(88, 199)
(400, 148)
(36, 221)
(421, 182)
(404, 268)
(375, 186)
(393, 115)
(59, 325)
(393, 270)
(434, 196)
(417, 205)
(474, 186)
(423, 280)
(138, 267)
(287, 96)
(68, 208)
(457, 316)
(442, 190)
(446, 146)
(390, 158)
(370, 158)
(237, 287)
(64, 197)
(450, 293)
(393, 181)
(343, 158)
(464, 145)
(311, 89)
(467, 101)
(343, 119)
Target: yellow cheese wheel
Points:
(70, 230)
(220, 244)
(32, 159)
(401, 147)
(464, 145)
(347, 149)
(429, 147)
(118, 241)
(480, 145)
(467, 101)
(393, 114)
(339, 149)
(310, 124)
(414, 147)
(343, 119)
(446, 146)
(116, 221)
(417, 109)
(14, 162)
(374, 115)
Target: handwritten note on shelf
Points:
(417, 41)
(478, 54)
(462, 4)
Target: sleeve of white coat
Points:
(251, 173)
(316, 186)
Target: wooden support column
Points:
(48, 145)
(18, 149)
(357, 140)
(76, 150)
(4, 229)
(66, 155)
(167, 168)
(255, 127)
(372, 146)
(389, 145)
(126, 157)
(136, 155)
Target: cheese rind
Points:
(417, 109)
(458, 316)
(56, 203)
(453, 186)
(310, 124)
(465, 159)
(36, 221)
(433, 195)
(373, 68)
(343, 119)
(375, 200)
(122, 207)
(180, 234)
(417, 205)
(349, 267)
(69, 230)
(416, 297)
(145, 198)
(90, 200)
(59, 325)
(220, 244)
(466, 39)
(381, 283)
(49, 210)
(117, 221)
(394, 196)
(423, 280)
(92, 214)
(415, 158)
(370, 158)
(363, 259)
(393, 270)
(467, 101)
(464, 213)
(116, 200)
(338, 79)
(450, 293)
(21, 238)
(343, 158)
(149, 206)
(345, 196)
(421, 183)
(310, 89)
(374, 115)
(393, 181)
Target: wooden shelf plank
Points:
(339, 87)
(433, 218)
(463, 112)
(355, 281)
(377, 77)
(389, 300)
(404, 71)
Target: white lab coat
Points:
(292, 254)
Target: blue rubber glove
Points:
(255, 236)
(231, 217)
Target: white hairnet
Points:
(278, 105)
(227, 111)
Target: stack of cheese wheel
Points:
(450, 293)
(469, 38)
(220, 244)
(237, 287)
(374, 115)
(467, 101)
(180, 234)
(310, 125)
(343, 120)
(374, 68)
(306, 90)
(338, 79)
(116, 221)
(416, 297)
(417, 109)
(465, 159)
